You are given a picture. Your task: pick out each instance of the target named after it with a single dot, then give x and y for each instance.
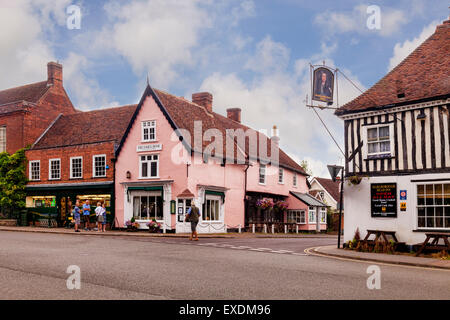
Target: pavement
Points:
(398, 259)
(35, 266)
(143, 233)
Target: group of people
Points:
(85, 212)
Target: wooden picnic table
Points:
(436, 236)
(380, 234)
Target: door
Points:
(183, 206)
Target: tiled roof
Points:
(30, 93)
(331, 187)
(424, 74)
(184, 113)
(308, 199)
(88, 127)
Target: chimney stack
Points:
(54, 72)
(234, 114)
(204, 99)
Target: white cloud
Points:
(402, 50)
(276, 95)
(334, 22)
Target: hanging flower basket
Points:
(265, 204)
(355, 180)
(281, 206)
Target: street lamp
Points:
(334, 172)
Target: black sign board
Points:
(323, 85)
(383, 200)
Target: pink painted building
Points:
(176, 152)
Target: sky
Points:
(251, 54)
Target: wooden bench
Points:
(434, 245)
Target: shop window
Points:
(323, 215)
(2, 139)
(99, 166)
(262, 174)
(148, 207)
(94, 199)
(378, 140)
(40, 202)
(280, 175)
(149, 165)
(433, 206)
(296, 216)
(148, 131)
(312, 215)
(294, 180)
(54, 169)
(211, 210)
(76, 167)
(35, 170)
(183, 207)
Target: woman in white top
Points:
(99, 215)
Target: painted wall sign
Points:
(403, 195)
(383, 200)
(149, 147)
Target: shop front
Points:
(52, 205)
(148, 201)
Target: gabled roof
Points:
(331, 187)
(88, 127)
(182, 114)
(30, 93)
(308, 199)
(423, 75)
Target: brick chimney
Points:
(234, 114)
(204, 99)
(54, 72)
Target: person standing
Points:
(76, 215)
(86, 213)
(99, 215)
(193, 216)
(104, 216)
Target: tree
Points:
(13, 180)
(305, 165)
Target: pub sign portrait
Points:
(323, 85)
(383, 200)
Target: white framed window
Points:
(280, 175)
(262, 174)
(148, 206)
(211, 209)
(54, 169)
(3, 139)
(312, 215)
(149, 166)
(323, 215)
(76, 167)
(148, 131)
(294, 180)
(99, 166)
(379, 140)
(35, 170)
(433, 206)
(296, 216)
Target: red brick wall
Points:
(65, 153)
(14, 131)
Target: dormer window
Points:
(148, 131)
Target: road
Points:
(33, 266)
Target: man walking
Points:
(192, 216)
(86, 213)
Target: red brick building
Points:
(27, 111)
(73, 159)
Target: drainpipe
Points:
(245, 191)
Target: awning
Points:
(308, 199)
(69, 186)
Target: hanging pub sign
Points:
(323, 81)
(383, 200)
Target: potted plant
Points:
(153, 226)
(132, 225)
